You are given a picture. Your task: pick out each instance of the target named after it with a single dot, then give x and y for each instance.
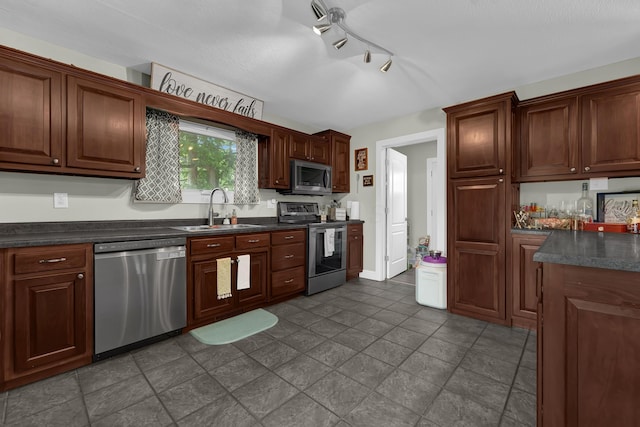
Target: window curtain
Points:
(161, 183)
(246, 191)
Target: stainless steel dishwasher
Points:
(140, 293)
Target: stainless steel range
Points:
(326, 247)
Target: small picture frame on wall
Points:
(367, 181)
(361, 157)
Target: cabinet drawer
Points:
(287, 256)
(287, 237)
(211, 245)
(354, 229)
(34, 260)
(287, 281)
(249, 241)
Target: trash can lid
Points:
(430, 260)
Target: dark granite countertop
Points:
(614, 251)
(530, 231)
(14, 235)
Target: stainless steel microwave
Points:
(309, 178)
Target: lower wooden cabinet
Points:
(355, 248)
(47, 313)
(288, 259)
(588, 347)
(524, 300)
(202, 281)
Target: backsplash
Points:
(26, 197)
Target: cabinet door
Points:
(319, 150)
(549, 138)
(105, 128)
(31, 105)
(206, 304)
(478, 134)
(524, 279)
(477, 248)
(354, 250)
(340, 163)
(591, 347)
(279, 167)
(259, 271)
(611, 130)
(51, 321)
(299, 146)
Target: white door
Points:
(432, 202)
(396, 213)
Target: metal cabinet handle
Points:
(355, 238)
(587, 168)
(500, 170)
(253, 240)
(213, 245)
(52, 260)
(288, 237)
(288, 281)
(80, 276)
(136, 169)
(501, 180)
(277, 182)
(288, 256)
(55, 161)
(572, 170)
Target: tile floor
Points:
(363, 354)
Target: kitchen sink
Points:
(212, 228)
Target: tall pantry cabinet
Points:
(479, 174)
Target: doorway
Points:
(436, 136)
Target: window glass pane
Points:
(207, 157)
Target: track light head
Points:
(367, 56)
(321, 29)
(318, 10)
(340, 43)
(385, 67)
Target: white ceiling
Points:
(446, 51)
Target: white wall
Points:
(417, 155)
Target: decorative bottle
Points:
(585, 204)
(234, 217)
(633, 221)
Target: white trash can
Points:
(431, 282)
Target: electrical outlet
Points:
(60, 200)
(271, 204)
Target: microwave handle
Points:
(324, 179)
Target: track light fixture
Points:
(340, 43)
(385, 67)
(318, 10)
(336, 16)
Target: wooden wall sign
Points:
(362, 161)
(174, 82)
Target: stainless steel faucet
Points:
(213, 214)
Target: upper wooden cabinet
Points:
(479, 136)
(549, 142)
(310, 148)
(611, 130)
(340, 160)
(31, 107)
(105, 128)
(105, 120)
(274, 170)
(581, 134)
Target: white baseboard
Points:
(370, 275)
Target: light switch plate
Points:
(60, 200)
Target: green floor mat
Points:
(235, 328)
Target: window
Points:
(207, 161)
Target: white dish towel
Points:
(244, 272)
(329, 241)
